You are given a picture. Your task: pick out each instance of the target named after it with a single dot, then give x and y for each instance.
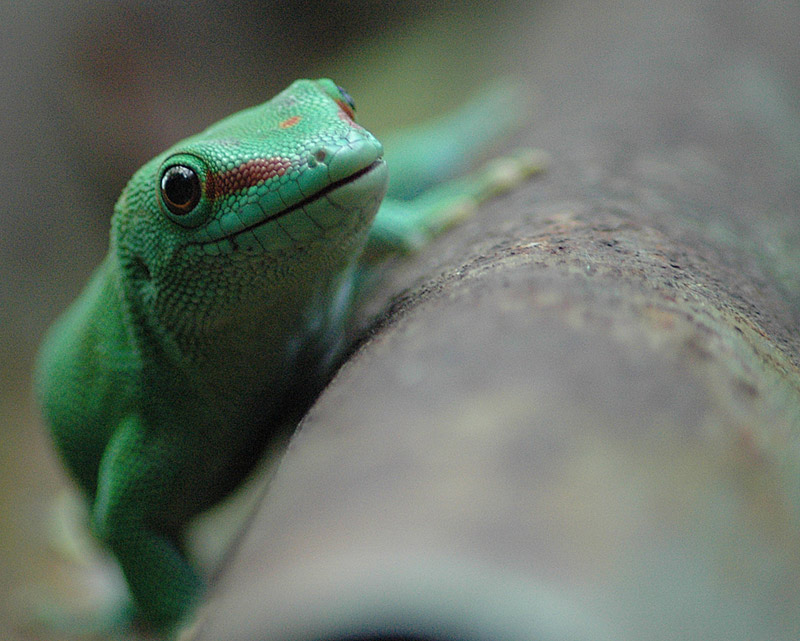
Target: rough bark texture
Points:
(582, 420)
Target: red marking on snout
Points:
(249, 174)
(290, 122)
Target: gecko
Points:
(235, 261)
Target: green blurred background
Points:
(91, 90)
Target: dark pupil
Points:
(180, 187)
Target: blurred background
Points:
(91, 90)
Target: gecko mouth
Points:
(322, 193)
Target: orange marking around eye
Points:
(290, 122)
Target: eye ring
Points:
(181, 189)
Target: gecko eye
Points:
(182, 192)
(180, 189)
(339, 96)
(347, 98)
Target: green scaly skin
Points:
(221, 307)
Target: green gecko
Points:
(236, 258)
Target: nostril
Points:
(320, 156)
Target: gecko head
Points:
(288, 186)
